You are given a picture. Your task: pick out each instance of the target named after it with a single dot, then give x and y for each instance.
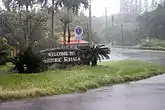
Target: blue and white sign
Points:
(78, 37)
(78, 31)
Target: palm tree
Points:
(65, 20)
(73, 5)
(44, 2)
(95, 53)
(68, 4)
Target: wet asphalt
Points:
(141, 95)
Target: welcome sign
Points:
(62, 56)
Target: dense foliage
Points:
(4, 50)
(91, 55)
(152, 24)
(153, 43)
(29, 62)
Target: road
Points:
(144, 55)
(142, 95)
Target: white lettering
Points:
(72, 53)
(66, 59)
(53, 60)
(56, 54)
(71, 59)
(49, 54)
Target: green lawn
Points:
(76, 79)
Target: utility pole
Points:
(112, 20)
(106, 18)
(122, 32)
(90, 24)
(106, 24)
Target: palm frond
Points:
(72, 4)
(95, 53)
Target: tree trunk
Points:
(27, 26)
(68, 21)
(52, 25)
(30, 27)
(94, 62)
(65, 26)
(69, 34)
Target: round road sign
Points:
(79, 31)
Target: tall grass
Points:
(76, 79)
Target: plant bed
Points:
(76, 79)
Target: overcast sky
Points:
(98, 7)
(113, 6)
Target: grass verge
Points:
(76, 79)
(152, 44)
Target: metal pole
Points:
(112, 20)
(106, 18)
(106, 24)
(122, 32)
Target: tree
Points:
(52, 9)
(95, 53)
(23, 5)
(15, 22)
(28, 62)
(74, 20)
(146, 5)
(4, 50)
(152, 24)
(7, 4)
(65, 20)
(130, 26)
(73, 5)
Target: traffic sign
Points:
(78, 31)
(78, 37)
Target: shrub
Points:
(33, 61)
(18, 61)
(94, 53)
(29, 62)
(152, 43)
(4, 50)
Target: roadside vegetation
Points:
(152, 44)
(26, 28)
(75, 79)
